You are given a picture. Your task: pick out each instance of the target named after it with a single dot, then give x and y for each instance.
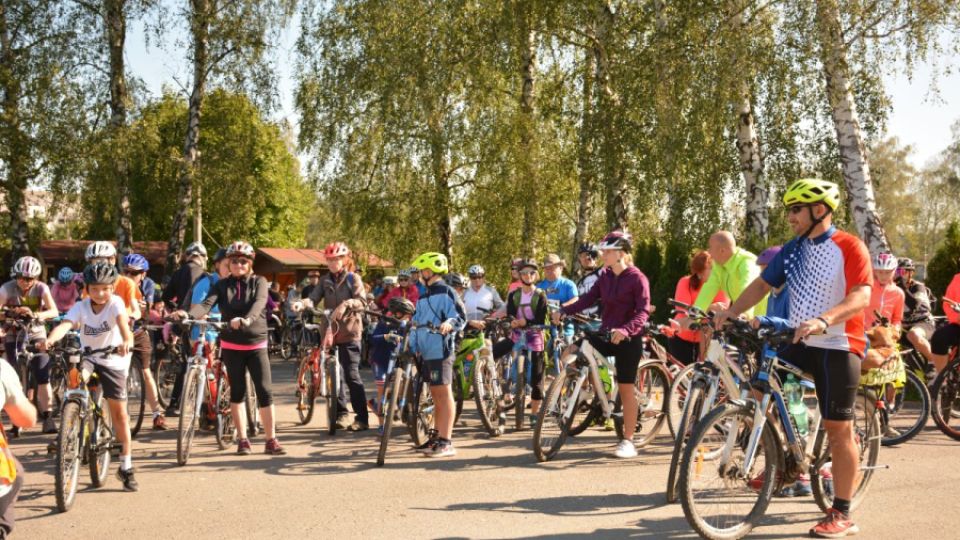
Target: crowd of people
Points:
(823, 283)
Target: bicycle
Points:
(770, 448)
(520, 369)
(488, 383)
(563, 399)
(86, 431)
(471, 348)
(318, 375)
(946, 395)
(167, 368)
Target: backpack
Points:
(534, 301)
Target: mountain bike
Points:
(745, 450)
(489, 381)
(520, 373)
(166, 368)
(86, 430)
(946, 397)
(204, 384)
(318, 374)
(472, 347)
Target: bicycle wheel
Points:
(188, 415)
(946, 400)
(866, 433)
(457, 387)
(69, 455)
(907, 412)
(486, 394)
(333, 390)
(652, 388)
(390, 393)
(99, 447)
(136, 399)
(689, 417)
(58, 386)
(678, 392)
(165, 375)
(422, 420)
(306, 390)
(286, 343)
(720, 499)
(253, 410)
(520, 393)
(552, 427)
(224, 418)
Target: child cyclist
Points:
(383, 346)
(440, 308)
(103, 322)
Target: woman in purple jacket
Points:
(624, 292)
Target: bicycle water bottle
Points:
(605, 375)
(795, 404)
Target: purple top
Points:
(625, 299)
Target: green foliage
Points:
(945, 262)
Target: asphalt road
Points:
(494, 488)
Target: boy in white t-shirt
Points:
(103, 322)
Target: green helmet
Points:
(435, 262)
(812, 190)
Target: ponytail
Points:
(699, 263)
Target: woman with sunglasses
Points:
(27, 296)
(242, 299)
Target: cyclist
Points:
(917, 314)
(947, 336)
(587, 255)
(28, 296)
(828, 279)
(242, 299)
(625, 294)
(417, 279)
(313, 279)
(885, 297)
(684, 345)
(440, 308)
(389, 284)
(457, 283)
(176, 295)
(407, 287)
(23, 415)
(480, 299)
(66, 291)
(103, 321)
(515, 281)
(556, 286)
(342, 292)
(124, 287)
(733, 269)
(135, 267)
(383, 345)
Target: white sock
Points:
(157, 413)
(126, 462)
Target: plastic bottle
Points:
(605, 376)
(795, 404)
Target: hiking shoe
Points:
(243, 447)
(432, 437)
(609, 425)
(273, 448)
(343, 422)
(49, 425)
(625, 449)
(172, 412)
(441, 449)
(358, 426)
(129, 482)
(834, 525)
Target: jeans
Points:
(350, 370)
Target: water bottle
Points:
(793, 391)
(605, 375)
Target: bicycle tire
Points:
(422, 419)
(691, 411)
(58, 386)
(306, 390)
(165, 375)
(224, 416)
(99, 448)
(946, 399)
(486, 396)
(333, 391)
(457, 393)
(187, 424)
(915, 386)
(867, 432)
(253, 409)
(678, 391)
(391, 391)
(551, 416)
(69, 455)
(286, 343)
(520, 394)
(693, 463)
(653, 387)
(136, 399)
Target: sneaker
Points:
(625, 449)
(129, 482)
(273, 448)
(49, 425)
(834, 525)
(441, 449)
(243, 447)
(358, 426)
(533, 421)
(159, 423)
(609, 425)
(172, 411)
(432, 436)
(797, 489)
(890, 432)
(343, 422)
(52, 447)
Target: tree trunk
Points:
(116, 25)
(438, 166)
(615, 186)
(585, 159)
(199, 27)
(528, 143)
(853, 155)
(15, 144)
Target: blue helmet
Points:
(136, 261)
(65, 275)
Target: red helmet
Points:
(336, 249)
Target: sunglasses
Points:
(527, 272)
(476, 277)
(26, 279)
(240, 261)
(795, 209)
(132, 272)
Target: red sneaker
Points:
(834, 525)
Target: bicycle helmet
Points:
(100, 273)
(100, 250)
(400, 306)
(435, 262)
(884, 261)
(220, 255)
(27, 267)
(65, 275)
(455, 280)
(812, 190)
(195, 249)
(390, 280)
(515, 263)
(617, 240)
(136, 262)
(906, 264)
(592, 249)
(528, 263)
(403, 274)
(475, 271)
(336, 249)
(767, 255)
(241, 249)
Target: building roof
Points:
(54, 251)
(313, 258)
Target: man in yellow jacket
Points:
(733, 269)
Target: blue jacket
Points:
(439, 305)
(382, 349)
(200, 290)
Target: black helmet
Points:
(455, 280)
(100, 273)
(906, 263)
(400, 306)
(220, 255)
(592, 249)
(528, 263)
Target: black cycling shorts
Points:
(439, 372)
(944, 338)
(836, 375)
(626, 354)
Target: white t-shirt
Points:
(100, 330)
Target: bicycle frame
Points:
(592, 358)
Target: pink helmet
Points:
(885, 261)
(241, 249)
(336, 249)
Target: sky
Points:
(918, 117)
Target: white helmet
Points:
(195, 248)
(885, 261)
(390, 280)
(27, 267)
(100, 249)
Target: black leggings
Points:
(626, 353)
(944, 338)
(537, 363)
(683, 350)
(350, 368)
(257, 362)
